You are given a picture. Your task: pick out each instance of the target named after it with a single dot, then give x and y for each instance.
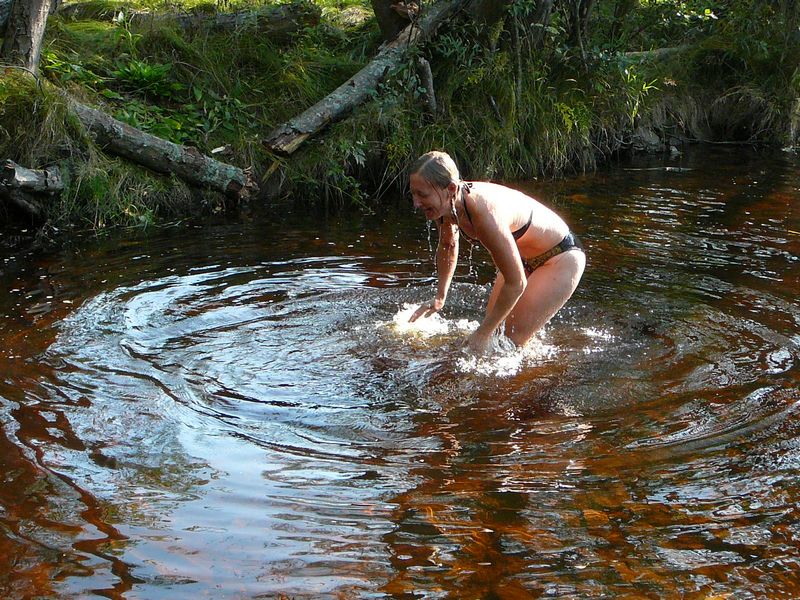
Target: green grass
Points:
(33, 122)
(38, 130)
(211, 90)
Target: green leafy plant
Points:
(145, 78)
(213, 113)
(636, 88)
(66, 70)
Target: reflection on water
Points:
(240, 410)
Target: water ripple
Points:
(227, 417)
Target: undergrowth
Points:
(506, 109)
(37, 130)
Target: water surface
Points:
(229, 410)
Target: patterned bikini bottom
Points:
(569, 242)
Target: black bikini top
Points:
(465, 188)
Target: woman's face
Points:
(433, 201)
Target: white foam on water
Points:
(600, 339)
(428, 326)
(602, 334)
(504, 358)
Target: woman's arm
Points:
(446, 261)
(496, 236)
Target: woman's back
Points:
(515, 209)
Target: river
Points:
(236, 408)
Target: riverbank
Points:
(506, 107)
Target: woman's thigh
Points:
(548, 289)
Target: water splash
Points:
(502, 359)
(426, 327)
(599, 339)
(506, 359)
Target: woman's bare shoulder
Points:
(496, 192)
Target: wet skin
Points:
(524, 303)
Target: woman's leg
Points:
(548, 289)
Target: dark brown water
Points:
(228, 411)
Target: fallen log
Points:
(185, 162)
(93, 10)
(23, 202)
(23, 188)
(277, 22)
(39, 181)
(286, 138)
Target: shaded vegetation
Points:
(509, 106)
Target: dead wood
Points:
(656, 54)
(25, 189)
(286, 138)
(185, 162)
(38, 181)
(426, 78)
(25, 203)
(17, 182)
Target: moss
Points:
(34, 121)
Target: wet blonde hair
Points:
(437, 168)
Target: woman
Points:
(539, 261)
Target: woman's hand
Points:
(478, 342)
(427, 309)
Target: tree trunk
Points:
(22, 44)
(487, 12)
(5, 9)
(391, 22)
(541, 21)
(791, 16)
(489, 16)
(426, 78)
(184, 162)
(579, 24)
(286, 138)
(621, 11)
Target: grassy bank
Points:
(507, 108)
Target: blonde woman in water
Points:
(539, 261)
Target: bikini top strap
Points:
(521, 231)
(465, 189)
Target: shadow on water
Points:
(241, 410)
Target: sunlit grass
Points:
(230, 89)
(94, 8)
